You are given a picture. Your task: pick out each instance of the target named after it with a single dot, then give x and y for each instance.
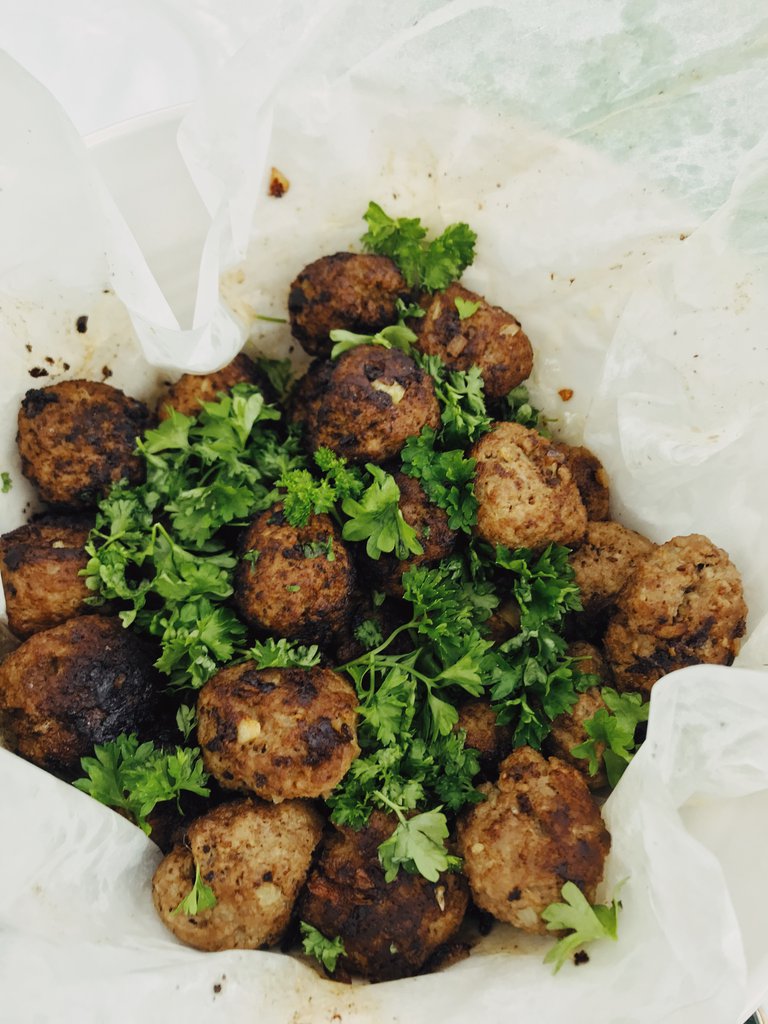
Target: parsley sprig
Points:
(199, 898)
(325, 951)
(585, 922)
(614, 728)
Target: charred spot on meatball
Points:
(41, 565)
(389, 929)
(537, 828)
(189, 392)
(371, 401)
(71, 687)
(526, 494)
(77, 438)
(432, 531)
(345, 291)
(484, 734)
(682, 605)
(590, 478)
(295, 581)
(254, 857)
(490, 338)
(278, 732)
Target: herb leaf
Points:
(447, 478)
(325, 951)
(418, 846)
(199, 898)
(614, 728)
(376, 518)
(585, 922)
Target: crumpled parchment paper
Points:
(609, 160)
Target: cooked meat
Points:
(367, 404)
(590, 478)
(526, 494)
(683, 605)
(568, 729)
(77, 438)
(390, 929)
(385, 617)
(432, 531)
(491, 740)
(490, 338)
(255, 857)
(504, 622)
(40, 564)
(538, 828)
(345, 291)
(277, 732)
(605, 560)
(192, 389)
(81, 683)
(295, 581)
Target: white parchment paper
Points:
(608, 157)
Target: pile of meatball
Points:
(276, 741)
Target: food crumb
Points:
(50, 360)
(581, 957)
(217, 988)
(278, 183)
(28, 347)
(81, 324)
(566, 394)
(106, 373)
(38, 371)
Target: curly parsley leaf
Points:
(465, 307)
(585, 922)
(397, 336)
(271, 653)
(612, 731)
(279, 372)
(418, 845)
(5, 482)
(186, 720)
(199, 898)
(369, 634)
(447, 478)
(377, 519)
(518, 408)
(135, 777)
(304, 494)
(325, 951)
(430, 265)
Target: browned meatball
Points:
(369, 621)
(40, 564)
(683, 605)
(526, 493)
(64, 690)
(296, 581)
(374, 400)
(188, 393)
(389, 930)
(278, 732)
(345, 291)
(490, 338)
(432, 530)
(77, 438)
(589, 476)
(255, 857)
(491, 740)
(538, 828)
(604, 562)
(504, 622)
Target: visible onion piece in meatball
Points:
(295, 581)
(77, 438)
(526, 494)
(40, 565)
(71, 687)
(389, 929)
(345, 291)
(280, 733)
(538, 828)
(254, 858)
(590, 478)
(489, 338)
(189, 392)
(682, 605)
(366, 404)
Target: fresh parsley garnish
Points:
(377, 519)
(397, 336)
(186, 720)
(5, 482)
(325, 951)
(585, 922)
(199, 898)
(304, 494)
(135, 777)
(271, 653)
(429, 265)
(518, 408)
(418, 845)
(447, 478)
(278, 372)
(614, 727)
(465, 307)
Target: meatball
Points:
(590, 478)
(40, 564)
(432, 531)
(373, 400)
(389, 929)
(346, 291)
(77, 438)
(296, 581)
(188, 393)
(489, 338)
(369, 622)
(605, 561)
(683, 605)
(526, 494)
(491, 740)
(66, 689)
(277, 732)
(255, 857)
(538, 828)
